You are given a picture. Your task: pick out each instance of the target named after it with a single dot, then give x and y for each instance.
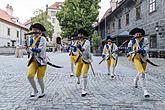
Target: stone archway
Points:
(58, 40)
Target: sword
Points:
(53, 65)
(153, 64)
(92, 69)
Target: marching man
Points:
(83, 59)
(137, 53)
(72, 54)
(110, 53)
(37, 63)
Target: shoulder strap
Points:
(36, 42)
(83, 43)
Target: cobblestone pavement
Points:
(62, 92)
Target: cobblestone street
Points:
(62, 92)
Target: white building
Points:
(11, 30)
(52, 10)
(54, 43)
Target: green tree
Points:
(43, 18)
(76, 14)
(97, 42)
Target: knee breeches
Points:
(140, 66)
(72, 58)
(34, 68)
(81, 67)
(111, 61)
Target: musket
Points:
(114, 51)
(31, 33)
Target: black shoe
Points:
(34, 94)
(112, 76)
(71, 75)
(84, 93)
(136, 86)
(147, 96)
(41, 95)
(78, 81)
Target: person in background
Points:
(110, 53)
(83, 60)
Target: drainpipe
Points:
(105, 27)
(20, 42)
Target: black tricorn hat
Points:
(109, 37)
(43, 34)
(82, 31)
(38, 26)
(136, 30)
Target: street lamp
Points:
(159, 29)
(93, 27)
(156, 28)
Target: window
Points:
(53, 13)
(119, 23)
(153, 41)
(108, 28)
(127, 18)
(53, 20)
(152, 5)
(17, 34)
(8, 31)
(113, 26)
(138, 11)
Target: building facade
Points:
(53, 44)
(128, 14)
(56, 37)
(11, 30)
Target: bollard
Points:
(18, 52)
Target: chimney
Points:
(46, 8)
(9, 10)
(15, 19)
(113, 4)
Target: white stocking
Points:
(33, 84)
(41, 83)
(72, 67)
(85, 82)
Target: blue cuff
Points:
(74, 49)
(103, 55)
(31, 41)
(129, 49)
(107, 46)
(142, 51)
(36, 50)
(80, 47)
